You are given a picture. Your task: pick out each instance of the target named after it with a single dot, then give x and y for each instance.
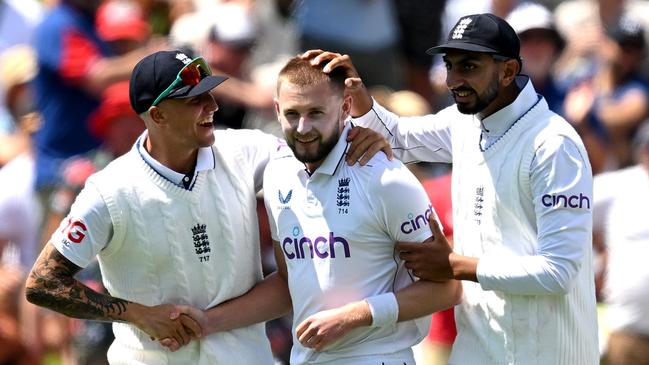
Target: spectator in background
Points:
(583, 24)
(541, 46)
(419, 26)
(19, 209)
(12, 349)
(366, 30)
(75, 66)
(608, 107)
(226, 35)
(18, 18)
(625, 235)
(122, 25)
(20, 343)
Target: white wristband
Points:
(384, 309)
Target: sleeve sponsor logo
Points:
(566, 201)
(74, 230)
(415, 223)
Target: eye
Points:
(289, 114)
(468, 66)
(316, 113)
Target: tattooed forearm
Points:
(51, 284)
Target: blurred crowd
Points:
(65, 113)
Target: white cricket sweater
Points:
(523, 207)
(170, 245)
(515, 327)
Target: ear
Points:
(347, 105)
(511, 68)
(157, 115)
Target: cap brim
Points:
(443, 48)
(206, 84)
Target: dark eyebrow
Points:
(464, 58)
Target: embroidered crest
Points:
(201, 242)
(183, 58)
(342, 195)
(477, 206)
(458, 32)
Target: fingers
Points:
(435, 226)
(171, 344)
(190, 325)
(301, 328)
(365, 143)
(406, 247)
(353, 133)
(308, 334)
(353, 83)
(181, 335)
(310, 54)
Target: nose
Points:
(452, 80)
(303, 125)
(211, 104)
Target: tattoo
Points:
(51, 284)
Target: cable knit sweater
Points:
(170, 245)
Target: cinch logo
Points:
(75, 230)
(414, 223)
(572, 201)
(322, 247)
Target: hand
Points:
(578, 103)
(365, 143)
(361, 99)
(324, 328)
(189, 317)
(429, 260)
(333, 60)
(156, 321)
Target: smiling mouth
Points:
(463, 93)
(206, 124)
(306, 140)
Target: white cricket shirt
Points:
(337, 229)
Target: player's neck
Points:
(181, 160)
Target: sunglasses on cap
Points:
(190, 75)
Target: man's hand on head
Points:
(361, 99)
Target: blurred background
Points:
(65, 113)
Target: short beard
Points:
(324, 148)
(483, 100)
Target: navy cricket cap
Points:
(155, 72)
(482, 33)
